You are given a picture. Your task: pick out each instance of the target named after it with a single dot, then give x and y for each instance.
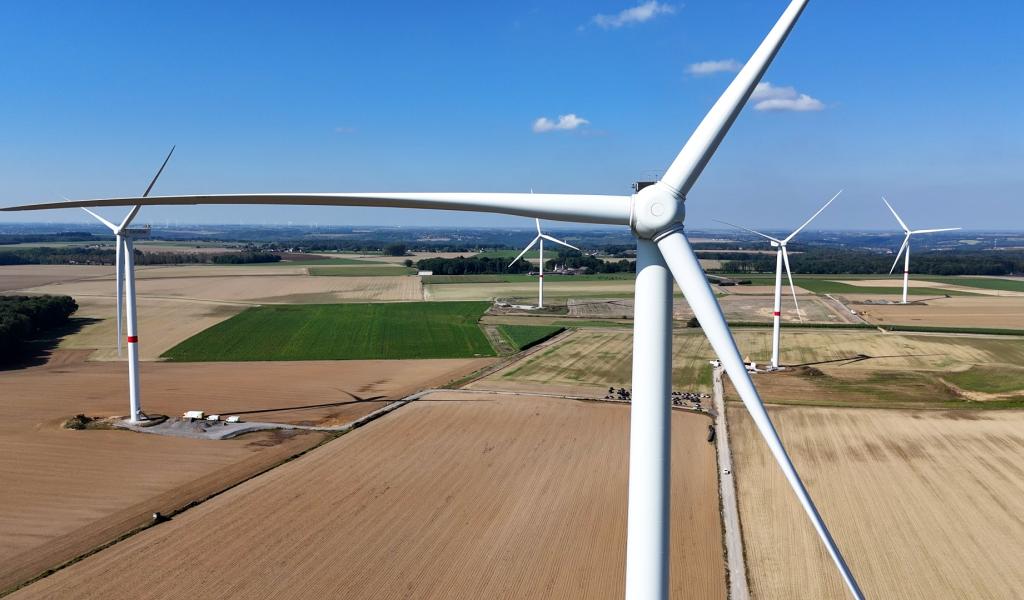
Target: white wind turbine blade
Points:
(537, 221)
(101, 219)
(525, 250)
(684, 170)
(903, 246)
(768, 237)
(808, 221)
(792, 288)
(119, 298)
(936, 230)
(893, 211)
(577, 208)
(685, 268)
(135, 209)
(558, 241)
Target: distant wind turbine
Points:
(540, 274)
(125, 260)
(782, 258)
(906, 246)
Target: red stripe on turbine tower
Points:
(776, 314)
(133, 339)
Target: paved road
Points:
(738, 589)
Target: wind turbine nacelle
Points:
(656, 209)
(137, 232)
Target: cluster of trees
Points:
(396, 250)
(573, 259)
(23, 318)
(473, 265)
(828, 261)
(105, 255)
(242, 258)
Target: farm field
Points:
(524, 336)
(1009, 284)
(361, 271)
(881, 479)
(588, 361)
(19, 277)
(528, 290)
(163, 324)
(520, 278)
(66, 492)
(258, 287)
(948, 285)
(343, 332)
(453, 496)
(737, 308)
(846, 284)
(987, 311)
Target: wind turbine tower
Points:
(125, 254)
(906, 247)
(540, 273)
(782, 259)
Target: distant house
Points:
(424, 273)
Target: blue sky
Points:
(912, 99)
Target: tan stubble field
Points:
(452, 497)
(924, 504)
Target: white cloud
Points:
(769, 97)
(710, 67)
(565, 123)
(638, 14)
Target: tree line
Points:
(23, 318)
(829, 261)
(107, 256)
(473, 265)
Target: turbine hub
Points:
(656, 208)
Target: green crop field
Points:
(827, 286)
(985, 283)
(990, 379)
(382, 271)
(524, 336)
(343, 332)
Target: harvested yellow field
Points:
(20, 277)
(66, 492)
(959, 311)
(833, 350)
(737, 308)
(266, 289)
(450, 497)
(163, 324)
(924, 504)
(588, 361)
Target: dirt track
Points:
(446, 498)
(65, 492)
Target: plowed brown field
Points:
(924, 504)
(445, 498)
(65, 492)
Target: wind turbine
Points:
(125, 254)
(782, 258)
(655, 216)
(906, 246)
(540, 274)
